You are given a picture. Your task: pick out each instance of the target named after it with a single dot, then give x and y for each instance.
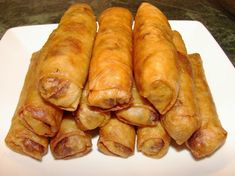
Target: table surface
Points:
(218, 21)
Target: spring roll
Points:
(179, 43)
(19, 138)
(211, 135)
(67, 58)
(35, 114)
(70, 141)
(140, 112)
(24, 141)
(117, 138)
(153, 141)
(110, 74)
(182, 120)
(155, 66)
(88, 118)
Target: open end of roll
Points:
(35, 119)
(70, 147)
(204, 142)
(114, 148)
(33, 149)
(107, 100)
(62, 93)
(152, 147)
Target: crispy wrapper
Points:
(153, 141)
(70, 141)
(37, 115)
(179, 43)
(110, 74)
(140, 112)
(211, 135)
(155, 66)
(88, 118)
(182, 120)
(24, 141)
(117, 139)
(67, 56)
(19, 138)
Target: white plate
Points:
(16, 48)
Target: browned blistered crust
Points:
(70, 141)
(211, 135)
(155, 67)
(117, 138)
(110, 74)
(66, 57)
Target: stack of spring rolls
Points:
(123, 82)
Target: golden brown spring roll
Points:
(67, 57)
(37, 115)
(211, 135)
(179, 43)
(153, 141)
(181, 121)
(110, 74)
(70, 141)
(24, 141)
(140, 112)
(19, 138)
(117, 139)
(155, 67)
(88, 118)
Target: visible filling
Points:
(52, 87)
(34, 118)
(32, 146)
(111, 102)
(115, 148)
(60, 92)
(205, 141)
(154, 117)
(122, 148)
(70, 146)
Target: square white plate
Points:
(16, 48)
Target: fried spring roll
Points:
(155, 67)
(70, 141)
(117, 138)
(110, 74)
(67, 58)
(37, 115)
(88, 118)
(153, 141)
(179, 43)
(24, 141)
(140, 112)
(211, 135)
(19, 138)
(181, 121)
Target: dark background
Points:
(211, 13)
